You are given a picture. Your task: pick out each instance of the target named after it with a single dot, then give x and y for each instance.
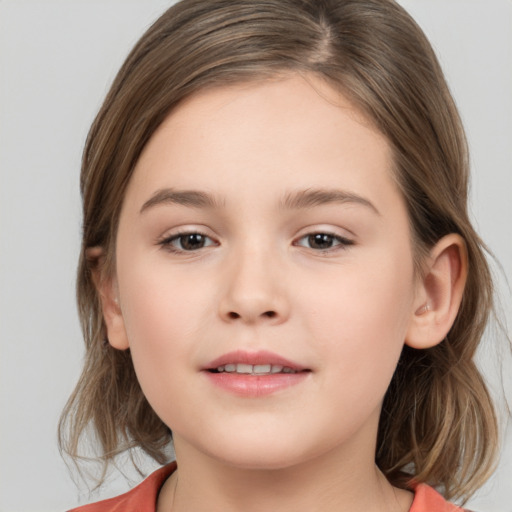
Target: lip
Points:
(253, 386)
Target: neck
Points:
(322, 483)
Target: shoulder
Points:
(141, 497)
(427, 499)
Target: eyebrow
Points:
(301, 199)
(192, 198)
(309, 198)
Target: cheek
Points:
(361, 322)
(159, 301)
(163, 313)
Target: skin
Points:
(258, 283)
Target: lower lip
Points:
(255, 385)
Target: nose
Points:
(254, 289)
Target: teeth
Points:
(261, 368)
(244, 368)
(257, 369)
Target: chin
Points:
(261, 454)
(257, 462)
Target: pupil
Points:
(192, 241)
(320, 241)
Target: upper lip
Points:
(253, 358)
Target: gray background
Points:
(57, 59)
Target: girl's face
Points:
(262, 232)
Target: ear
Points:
(109, 297)
(439, 293)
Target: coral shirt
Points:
(143, 498)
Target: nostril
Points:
(233, 315)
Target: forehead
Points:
(288, 132)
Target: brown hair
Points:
(437, 424)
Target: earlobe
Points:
(108, 294)
(439, 293)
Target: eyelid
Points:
(328, 229)
(343, 241)
(165, 242)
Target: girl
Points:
(278, 271)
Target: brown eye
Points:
(187, 242)
(323, 241)
(192, 241)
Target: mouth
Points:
(254, 369)
(254, 374)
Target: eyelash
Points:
(340, 243)
(167, 243)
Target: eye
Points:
(187, 242)
(323, 241)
